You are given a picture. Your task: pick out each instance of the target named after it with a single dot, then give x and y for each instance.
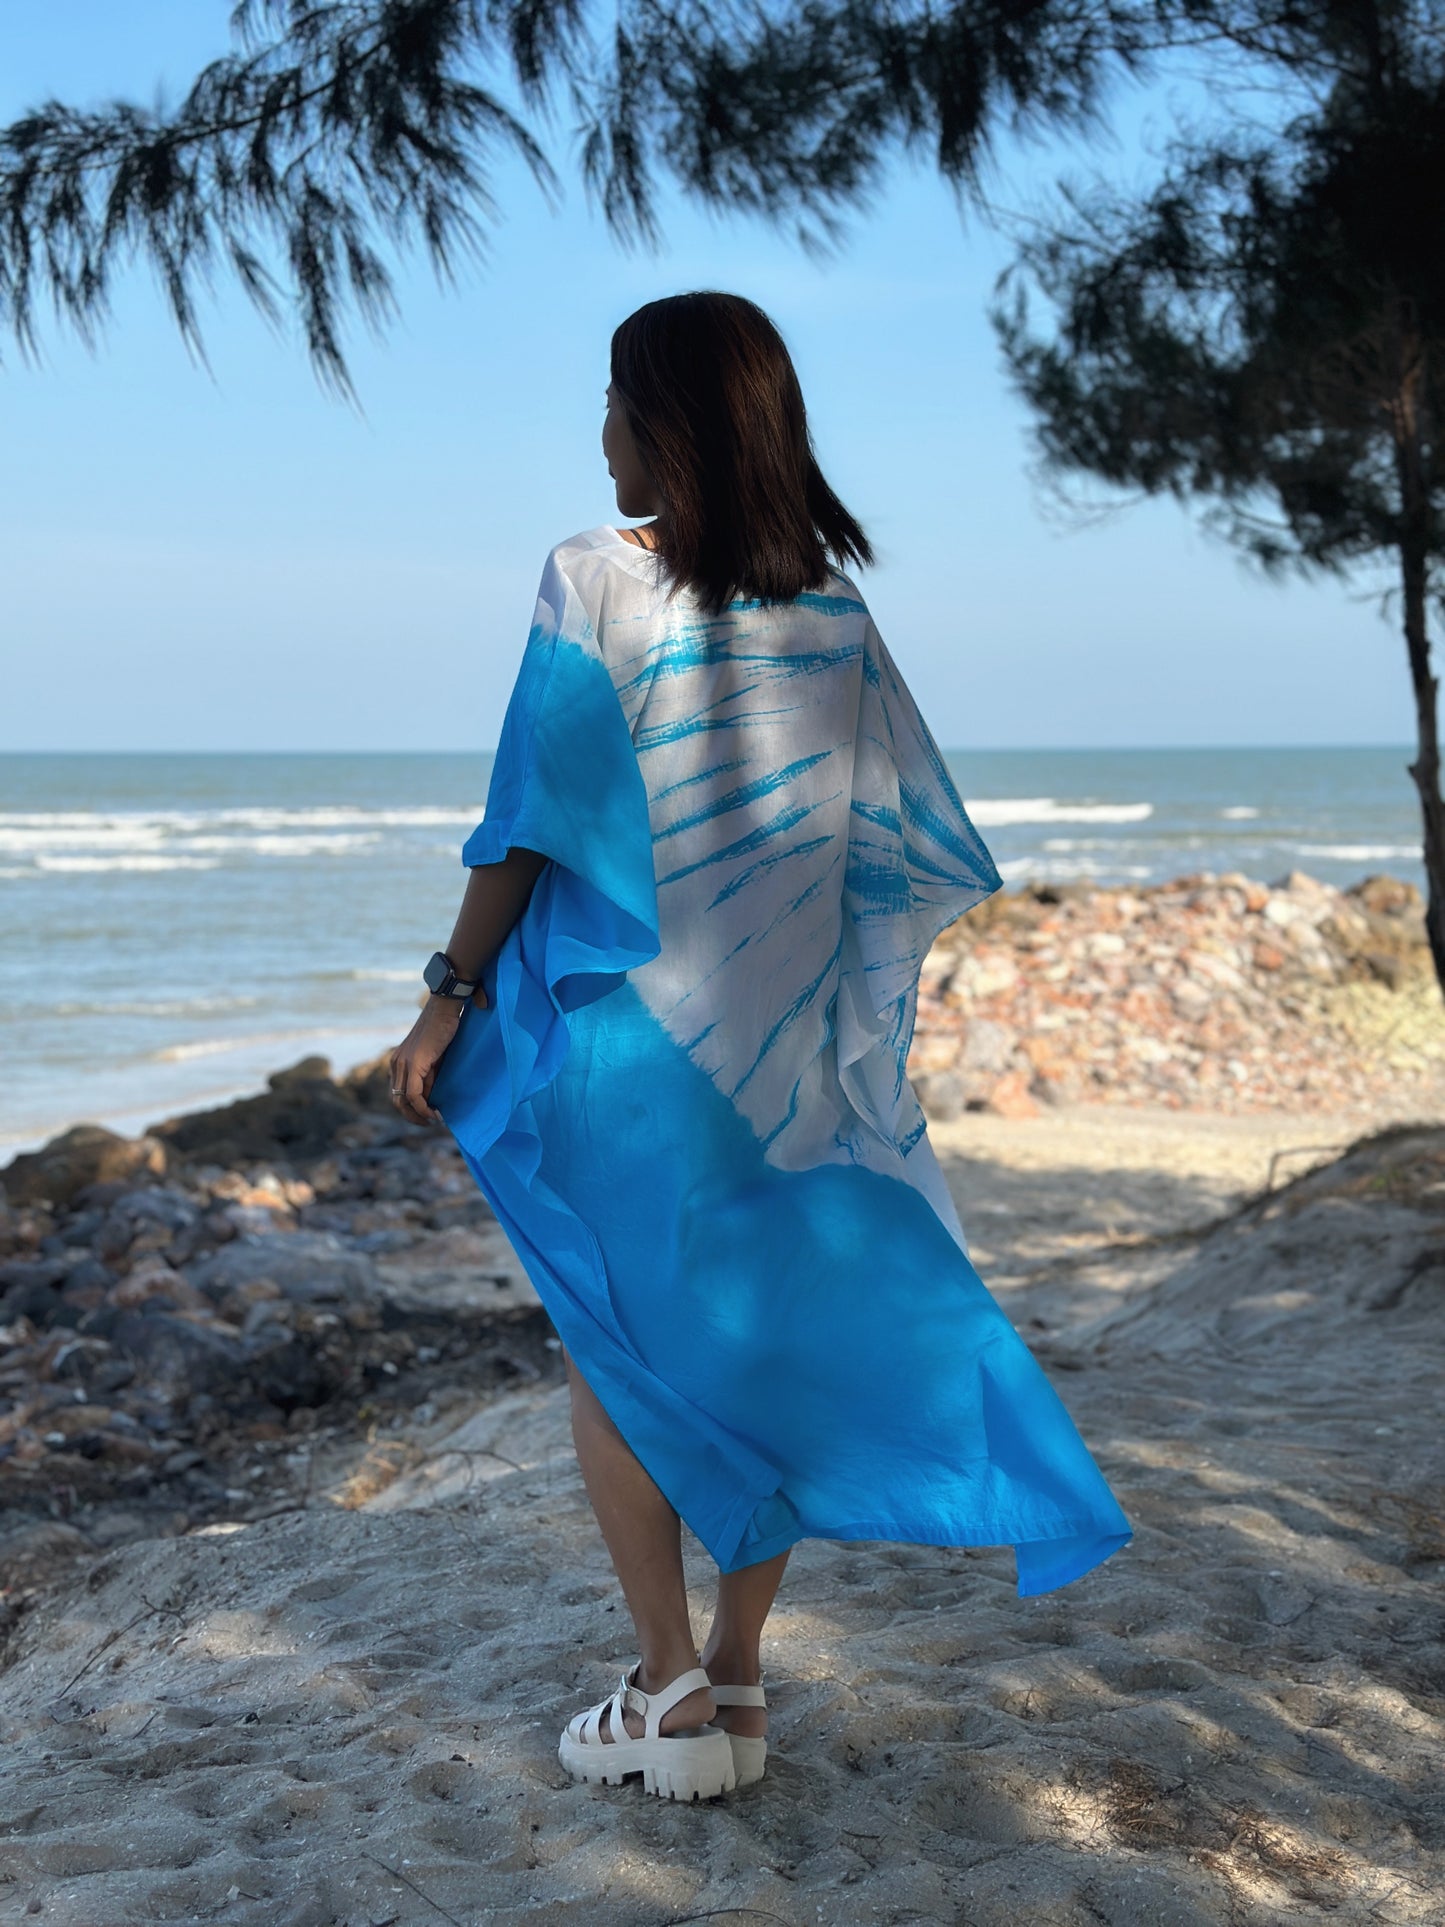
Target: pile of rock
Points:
(1209, 992)
(182, 1313)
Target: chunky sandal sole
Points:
(749, 1753)
(696, 1764)
(673, 1767)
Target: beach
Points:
(301, 1582)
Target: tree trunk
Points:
(1414, 564)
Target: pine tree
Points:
(1263, 334)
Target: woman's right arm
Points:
(496, 895)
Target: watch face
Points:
(436, 972)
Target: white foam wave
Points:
(44, 835)
(93, 865)
(29, 841)
(334, 845)
(219, 1046)
(1118, 845)
(1238, 811)
(1063, 869)
(384, 976)
(997, 811)
(158, 1007)
(173, 822)
(1360, 852)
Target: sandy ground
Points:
(349, 1715)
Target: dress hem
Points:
(890, 1532)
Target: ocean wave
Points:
(1238, 811)
(1359, 852)
(180, 822)
(997, 811)
(219, 1046)
(383, 976)
(158, 1007)
(1066, 869)
(339, 843)
(27, 841)
(93, 865)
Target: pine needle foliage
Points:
(337, 134)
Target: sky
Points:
(232, 559)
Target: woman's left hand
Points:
(414, 1062)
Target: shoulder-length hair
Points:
(717, 415)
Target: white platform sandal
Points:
(749, 1754)
(695, 1763)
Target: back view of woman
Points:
(669, 1035)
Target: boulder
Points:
(298, 1117)
(179, 1355)
(1386, 896)
(942, 1094)
(987, 1046)
(307, 1267)
(89, 1154)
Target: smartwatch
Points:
(442, 980)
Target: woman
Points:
(719, 840)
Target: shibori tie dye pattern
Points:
(686, 1099)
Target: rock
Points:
(298, 1117)
(1385, 966)
(180, 1355)
(68, 1164)
(310, 1070)
(285, 1369)
(307, 1267)
(1011, 1097)
(370, 1084)
(155, 1280)
(941, 1093)
(1159, 994)
(987, 1046)
(1387, 896)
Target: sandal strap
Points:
(652, 1706)
(586, 1728)
(740, 1696)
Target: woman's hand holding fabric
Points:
(414, 1062)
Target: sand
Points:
(349, 1714)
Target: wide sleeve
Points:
(915, 863)
(566, 784)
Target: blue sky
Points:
(234, 560)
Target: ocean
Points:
(173, 928)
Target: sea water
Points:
(173, 928)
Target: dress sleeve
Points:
(566, 784)
(915, 861)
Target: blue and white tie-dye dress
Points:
(686, 1098)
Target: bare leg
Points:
(732, 1653)
(645, 1540)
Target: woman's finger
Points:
(414, 1100)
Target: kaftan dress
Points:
(686, 1097)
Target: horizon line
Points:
(949, 749)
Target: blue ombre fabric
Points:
(686, 1097)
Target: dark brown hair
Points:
(716, 412)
